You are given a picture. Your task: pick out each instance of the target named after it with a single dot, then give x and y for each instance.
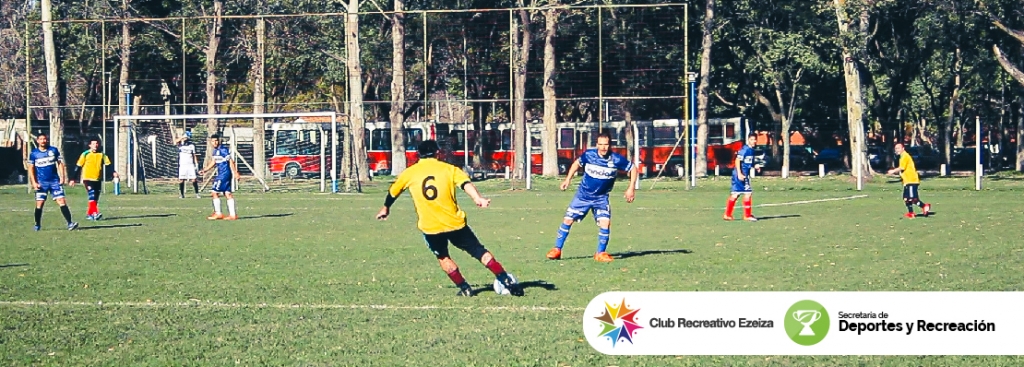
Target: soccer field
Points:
(312, 279)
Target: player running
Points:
(599, 169)
(91, 163)
(432, 185)
(741, 181)
(911, 182)
(226, 170)
(47, 174)
(187, 163)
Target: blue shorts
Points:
(221, 185)
(49, 188)
(741, 187)
(579, 207)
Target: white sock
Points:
(231, 207)
(216, 205)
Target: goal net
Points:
(301, 151)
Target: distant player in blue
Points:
(600, 166)
(47, 173)
(226, 170)
(741, 181)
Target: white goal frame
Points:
(119, 119)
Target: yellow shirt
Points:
(432, 184)
(90, 163)
(908, 172)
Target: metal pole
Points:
(693, 132)
(28, 102)
(978, 168)
(511, 90)
(686, 69)
(103, 84)
(600, 73)
(465, 95)
(859, 161)
(334, 153)
(184, 100)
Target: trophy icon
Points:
(807, 318)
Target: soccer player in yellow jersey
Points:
(90, 171)
(432, 184)
(911, 182)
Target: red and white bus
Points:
(378, 143)
(655, 142)
(300, 148)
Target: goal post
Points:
(301, 148)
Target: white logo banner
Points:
(806, 323)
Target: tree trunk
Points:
(397, 117)
(854, 95)
(122, 107)
(1020, 134)
(521, 39)
(213, 44)
(52, 78)
(951, 118)
(700, 166)
(355, 91)
(550, 141)
(259, 157)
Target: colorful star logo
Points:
(619, 322)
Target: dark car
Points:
(876, 156)
(964, 158)
(832, 158)
(925, 158)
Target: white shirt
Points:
(186, 154)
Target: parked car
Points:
(925, 158)
(832, 158)
(876, 156)
(964, 158)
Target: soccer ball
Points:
(500, 289)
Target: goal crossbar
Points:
(243, 116)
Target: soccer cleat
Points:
(909, 215)
(215, 216)
(465, 292)
(36, 227)
(555, 254)
(750, 218)
(181, 196)
(72, 226)
(927, 209)
(513, 286)
(88, 217)
(198, 196)
(230, 217)
(97, 216)
(727, 217)
(603, 257)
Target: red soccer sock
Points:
(748, 207)
(93, 208)
(456, 277)
(729, 205)
(495, 267)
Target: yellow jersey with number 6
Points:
(432, 184)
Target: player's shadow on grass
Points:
(12, 265)
(142, 216)
(110, 226)
(525, 285)
(770, 217)
(629, 254)
(279, 215)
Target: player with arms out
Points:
(91, 163)
(47, 173)
(600, 166)
(226, 170)
(432, 184)
(187, 163)
(741, 181)
(911, 182)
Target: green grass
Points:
(293, 281)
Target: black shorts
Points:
(910, 192)
(93, 189)
(463, 239)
